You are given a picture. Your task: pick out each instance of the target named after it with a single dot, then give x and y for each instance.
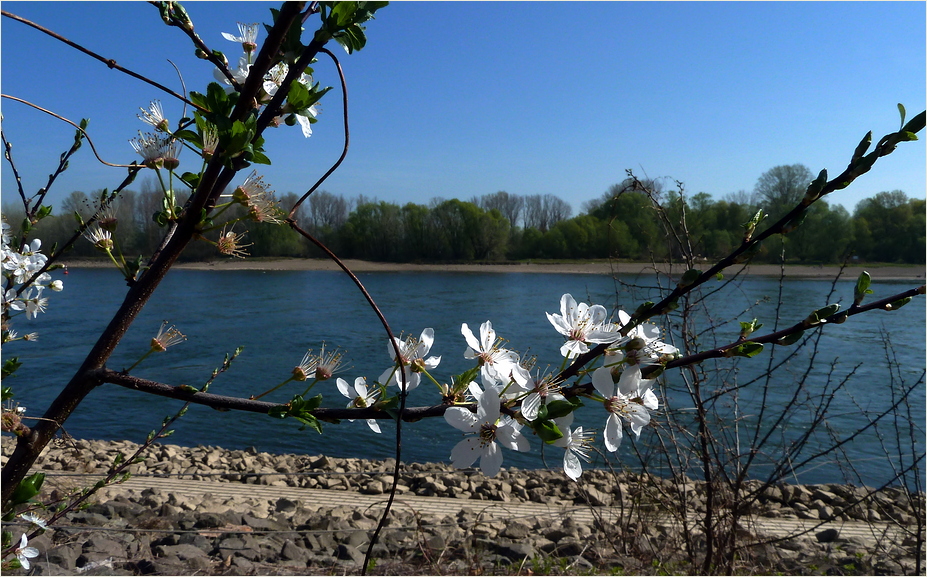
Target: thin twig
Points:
(108, 61)
(72, 123)
(347, 136)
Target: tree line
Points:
(632, 220)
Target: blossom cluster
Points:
(511, 395)
(508, 384)
(272, 80)
(22, 292)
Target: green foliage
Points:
(10, 366)
(862, 288)
(342, 21)
(27, 488)
(301, 410)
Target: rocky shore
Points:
(146, 530)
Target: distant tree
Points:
(510, 206)
(78, 202)
(782, 187)
(373, 232)
(824, 236)
(327, 210)
(544, 211)
(742, 197)
(889, 227)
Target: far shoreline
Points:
(794, 271)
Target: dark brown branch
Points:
(198, 42)
(224, 403)
(771, 338)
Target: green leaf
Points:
(894, 306)
(747, 349)
(188, 135)
(862, 288)
(259, 158)
(748, 328)
(557, 409)
(862, 147)
(542, 413)
(191, 178)
(814, 189)
(547, 430)
(689, 277)
(464, 379)
(916, 124)
(10, 366)
(902, 112)
(27, 488)
(821, 314)
(642, 309)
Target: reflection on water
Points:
(277, 316)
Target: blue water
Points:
(277, 316)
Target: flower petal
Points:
(602, 381)
(466, 452)
(571, 465)
(344, 388)
(613, 433)
(530, 406)
(491, 460)
(470, 338)
(462, 420)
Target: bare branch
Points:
(108, 61)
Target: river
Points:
(278, 315)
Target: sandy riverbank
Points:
(212, 511)
(879, 272)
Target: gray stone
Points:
(294, 552)
(515, 551)
(827, 535)
(348, 553)
(65, 555)
(285, 505)
(183, 552)
(107, 547)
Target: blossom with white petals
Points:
(582, 324)
(32, 517)
(619, 406)
(360, 398)
(576, 447)
(247, 36)
(24, 552)
(155, 116)
(412, 354)
(239, 73)
(497, 365)
(488, 426)
(541, 388)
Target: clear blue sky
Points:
(461, 99)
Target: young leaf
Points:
(747, 349)
(547, 430)
(862, 288)
(862, 147)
